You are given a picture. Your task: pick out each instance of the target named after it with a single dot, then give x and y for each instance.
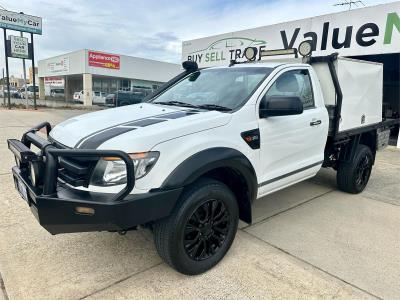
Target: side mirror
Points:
(280, 106)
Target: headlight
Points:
(112, 170)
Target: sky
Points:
(150, 29)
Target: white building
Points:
(370, 33)
(93, 71)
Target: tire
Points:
(352, 177)
(207, 240)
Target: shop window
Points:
(105, 85)
(96, 84)
(125, 85)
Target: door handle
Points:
(315, 123)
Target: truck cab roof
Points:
(269, 64)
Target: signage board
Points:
(54, 81)
(19, 47)
(59, 65)
(20, 22)
(103, 60)
(364, 31)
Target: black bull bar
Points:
(50, 156)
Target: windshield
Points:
(220, 88)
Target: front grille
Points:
(74, 171)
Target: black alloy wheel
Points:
(206, 230)
(353, 176)
(363, 171)
(201, 228)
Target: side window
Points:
(294, 83)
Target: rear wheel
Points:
(352, 177)
(200, 230)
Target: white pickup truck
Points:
(189, 162)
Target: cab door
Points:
(292, 146)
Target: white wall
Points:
(365, 28)
(66, 64)
(130, 67)
(139, 68)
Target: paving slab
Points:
(14, 210)
(285, 199)
(36, 265)
(7, 160)
(251, 270)
(13, 132)
(349, 236)
(326, 178)
(18, 117)
(386, 173)
(8, 118)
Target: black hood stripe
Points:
(98, 139)
(180, 114)
(119, 124)
(145, 122)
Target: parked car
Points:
(97, 97)
(29, 92)
(189, 162)
(78, 97)
(122, 98)
(19, 93)
(110, 99)
(57, 93)
(13, 92)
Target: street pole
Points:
(7, 73)
(4, 95)
(33, 74)
(24, 69)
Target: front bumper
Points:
(57, 206)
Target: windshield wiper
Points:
(202, 106)
(176, 103)
(214, 107)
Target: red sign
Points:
(103, 60)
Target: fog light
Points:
(35, 172)
(84, 210)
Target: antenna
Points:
(350, 3)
